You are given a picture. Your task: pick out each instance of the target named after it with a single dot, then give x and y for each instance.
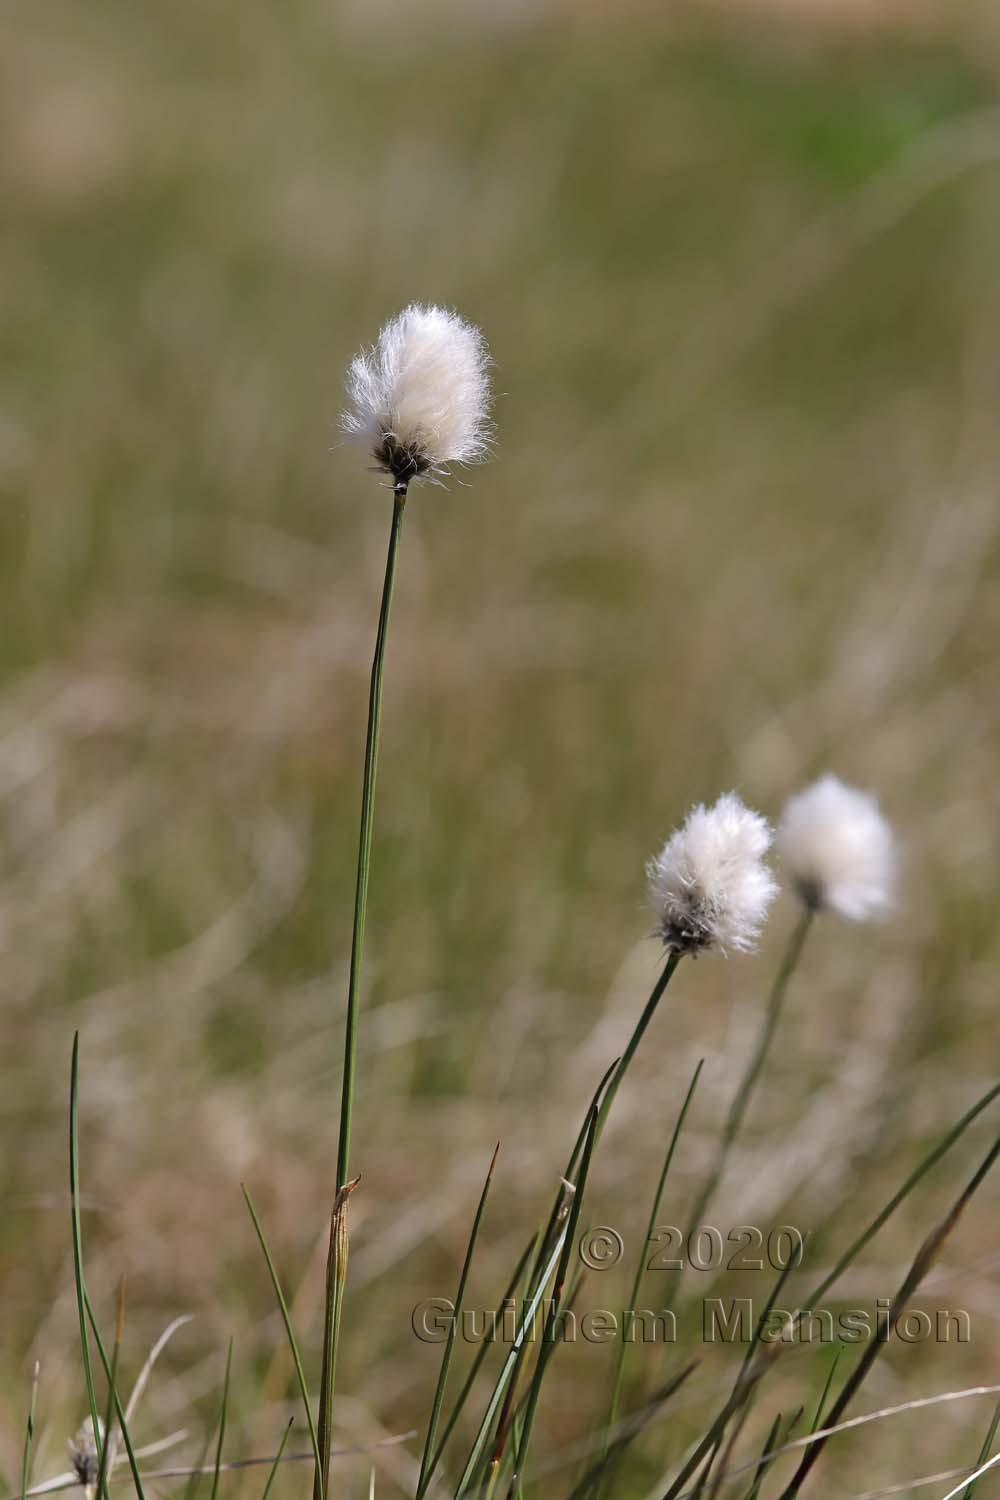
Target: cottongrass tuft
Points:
(709, 884)
(83, 1452)
(420, 397)
(839, 850)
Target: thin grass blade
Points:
(920, 1171)
(432, 1426)
(222, 1422)
(718, 1478)
(277, 1458)
(984, 1450)
(765, 1460)
(74, 1190)
(555, 1308)
(562, 1205)
(508, 1364)
(119, 1409)
(480, 1356)
(29, 1432)
(289, 1330)
(558, 1202)
(557, 1217)
(619, 1373)
(109, 1417)
(846, 1259)
(924, 1259)
(195, 1473)
(983, 1469)
(751, 1370)
(629, 1430)
(821, 1404)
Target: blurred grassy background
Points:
(739, 275)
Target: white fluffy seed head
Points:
(420, 397)
(839, 850)
(709, 885)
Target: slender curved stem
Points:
(633, 1042)
(365, 841)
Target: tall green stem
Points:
(336, 1270)
(365, 840)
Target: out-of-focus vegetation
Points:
(741, 287)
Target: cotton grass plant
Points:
(419, 402)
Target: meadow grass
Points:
(742, 525)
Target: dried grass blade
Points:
(151, 1358)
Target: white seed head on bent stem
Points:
(709, 885)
